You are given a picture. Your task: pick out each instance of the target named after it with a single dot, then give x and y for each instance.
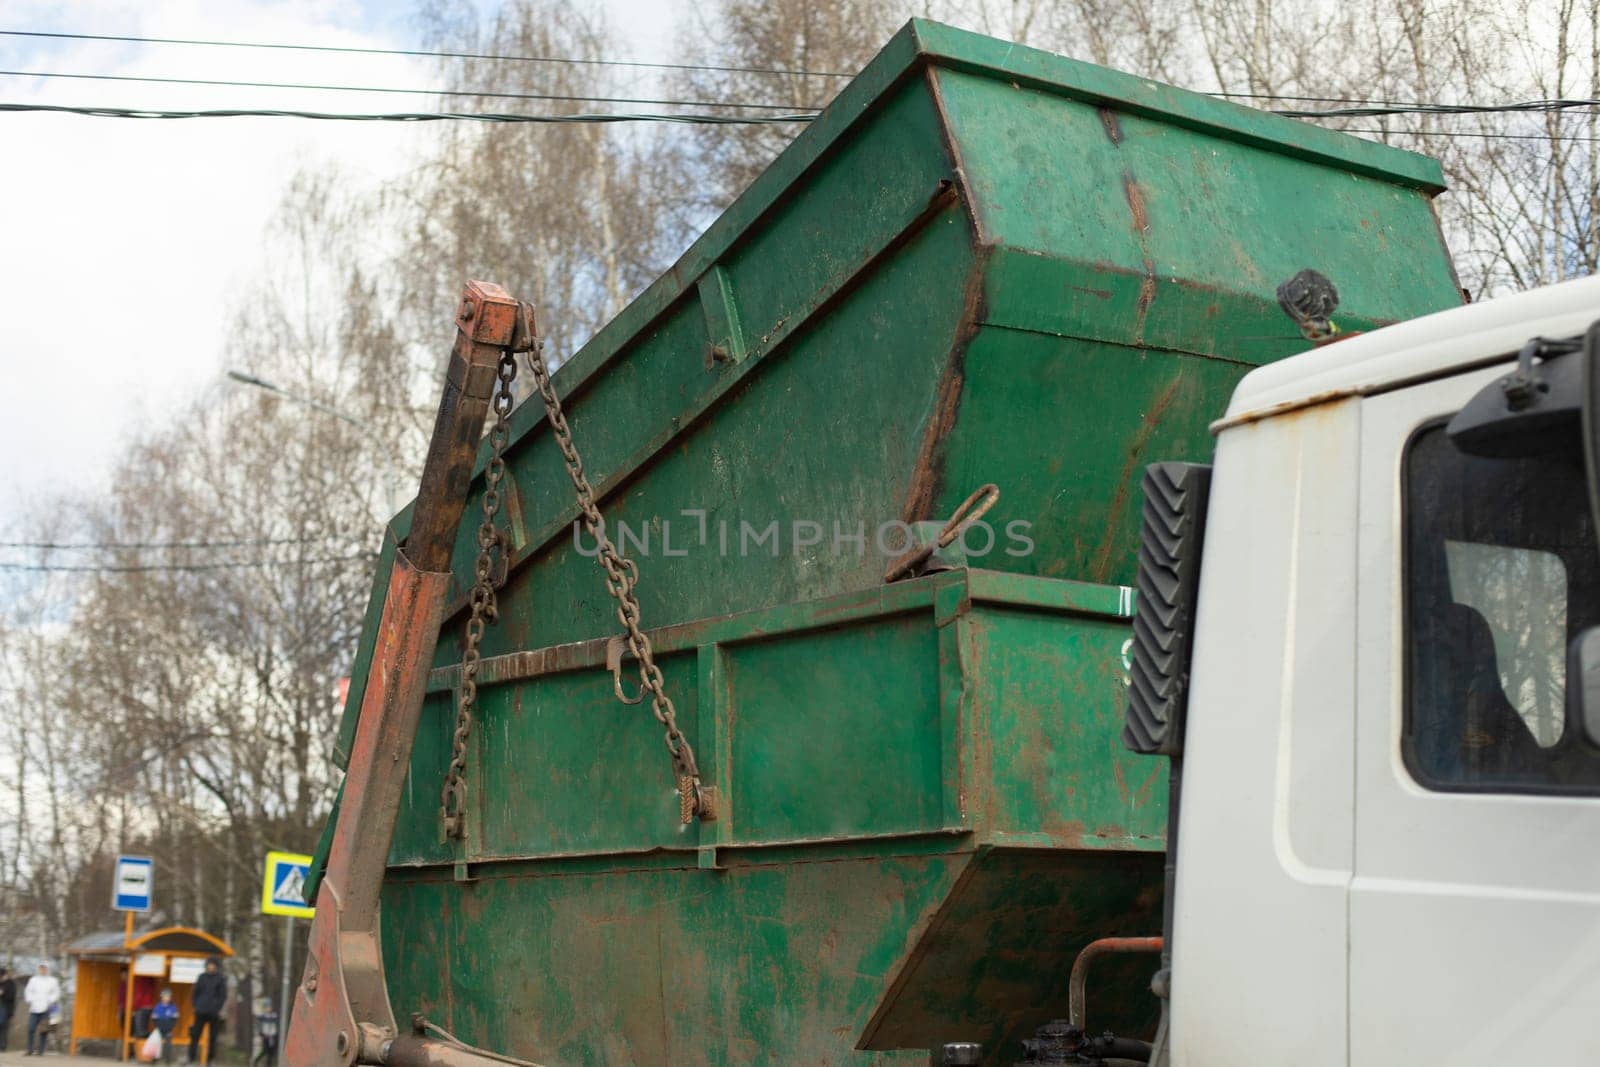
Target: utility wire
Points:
(1359, 108)
(704, 120)
(110, 546)
(1388, 107)
(404, 116)
(711, 67)
(1471, 133)
(127, 568)
(415, 92)
(426, 53)
(1372, 111)
(1365, 101)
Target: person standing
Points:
(267, 1024)
(8, 1005)
(43, 994)
(164, 1017)
(210, 996)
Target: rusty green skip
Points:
(982, 263)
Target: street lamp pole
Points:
(327, 409)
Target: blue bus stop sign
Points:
(130, 886)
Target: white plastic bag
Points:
(150, 1051)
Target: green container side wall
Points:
(787, 962)
(781, 963)
(1129, 274)
(827, 429)
(971, 700)
(790, 248)
(993, 964)
(825, 204)
(416, 829)
(1047, 707)
(794, 952)
(1101, 412)
(837, 733)
(556, 765)
(1141, 232)
(1011, 64)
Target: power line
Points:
(414, 92)
(1362, 100)
(128, 568)
(109, 546)
(1376, 110)
(1363, 108)
(513, 119)
(1385, 107)
(1287, 96)
(428, 54)
(1472, 133)
(403, 116)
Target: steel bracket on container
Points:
(616, 648)
(724, 332)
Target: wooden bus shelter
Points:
(120, 976)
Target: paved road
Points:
(15, 1058)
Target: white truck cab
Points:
(1388, 831)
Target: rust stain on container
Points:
(1119, 502)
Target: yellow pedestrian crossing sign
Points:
(283, 890)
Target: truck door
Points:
(1475, 904)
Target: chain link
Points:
(484, 605)
(622, 575)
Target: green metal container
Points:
(983, 263)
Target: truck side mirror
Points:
(1535, 410)
(1583, 684)
(1583, 654)
(1589, 422)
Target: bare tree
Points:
(798, 53)
(576, 219)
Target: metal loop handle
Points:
(614, 650)
(968, 512)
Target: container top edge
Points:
(949, 47)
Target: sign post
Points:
(131, 885)
(283, 892)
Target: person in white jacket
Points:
(43, 995)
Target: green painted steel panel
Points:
(654, 965)
(959, 193)
(896, 764)
(992, 961)
(981, 263)
(783, 962)
(1048, 706)
(807, 713)
(416, 833)
(1072, 479)
(1131, 230)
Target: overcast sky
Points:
(125, 243)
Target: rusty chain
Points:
(484, 606)
(622, 574)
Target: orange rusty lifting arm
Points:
(342, 1015)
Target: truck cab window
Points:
(1501, 571)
